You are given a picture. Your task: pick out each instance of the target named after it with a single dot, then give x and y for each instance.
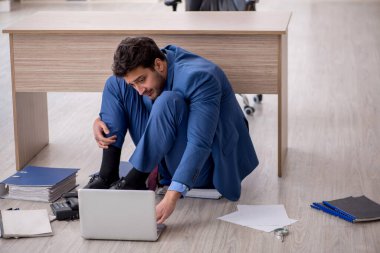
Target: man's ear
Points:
(159, 65)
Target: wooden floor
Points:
(334, 141)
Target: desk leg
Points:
(30, 125)
(283, 105)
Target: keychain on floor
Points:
(280, 233)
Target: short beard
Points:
(161, 81)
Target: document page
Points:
(262, 217)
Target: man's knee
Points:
(111, 80)
(114, 85)
(170, 98)
(170, 103)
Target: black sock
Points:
(136, 179)
(109, 169)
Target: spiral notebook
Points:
(25, 223)
(351, 209)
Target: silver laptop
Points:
(118, 215)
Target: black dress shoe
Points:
(97, 182)
(124, 184)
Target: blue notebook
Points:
(351, 209)
(39, 176)
(359, 208)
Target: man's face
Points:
(146, 81)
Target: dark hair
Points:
(134, 52)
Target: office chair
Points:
(250, 5)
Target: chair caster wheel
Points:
(249, 110)
(258, 98)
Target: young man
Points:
(182, 115)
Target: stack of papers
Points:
(261, 217)
(195, 193)
(39, 183)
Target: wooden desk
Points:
(73, 51)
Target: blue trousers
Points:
(158, 130)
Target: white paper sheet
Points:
(262, 217)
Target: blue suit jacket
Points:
(216, 123)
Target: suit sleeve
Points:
(203, 92)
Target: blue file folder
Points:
(39, 176)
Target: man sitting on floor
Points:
(182, 115)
